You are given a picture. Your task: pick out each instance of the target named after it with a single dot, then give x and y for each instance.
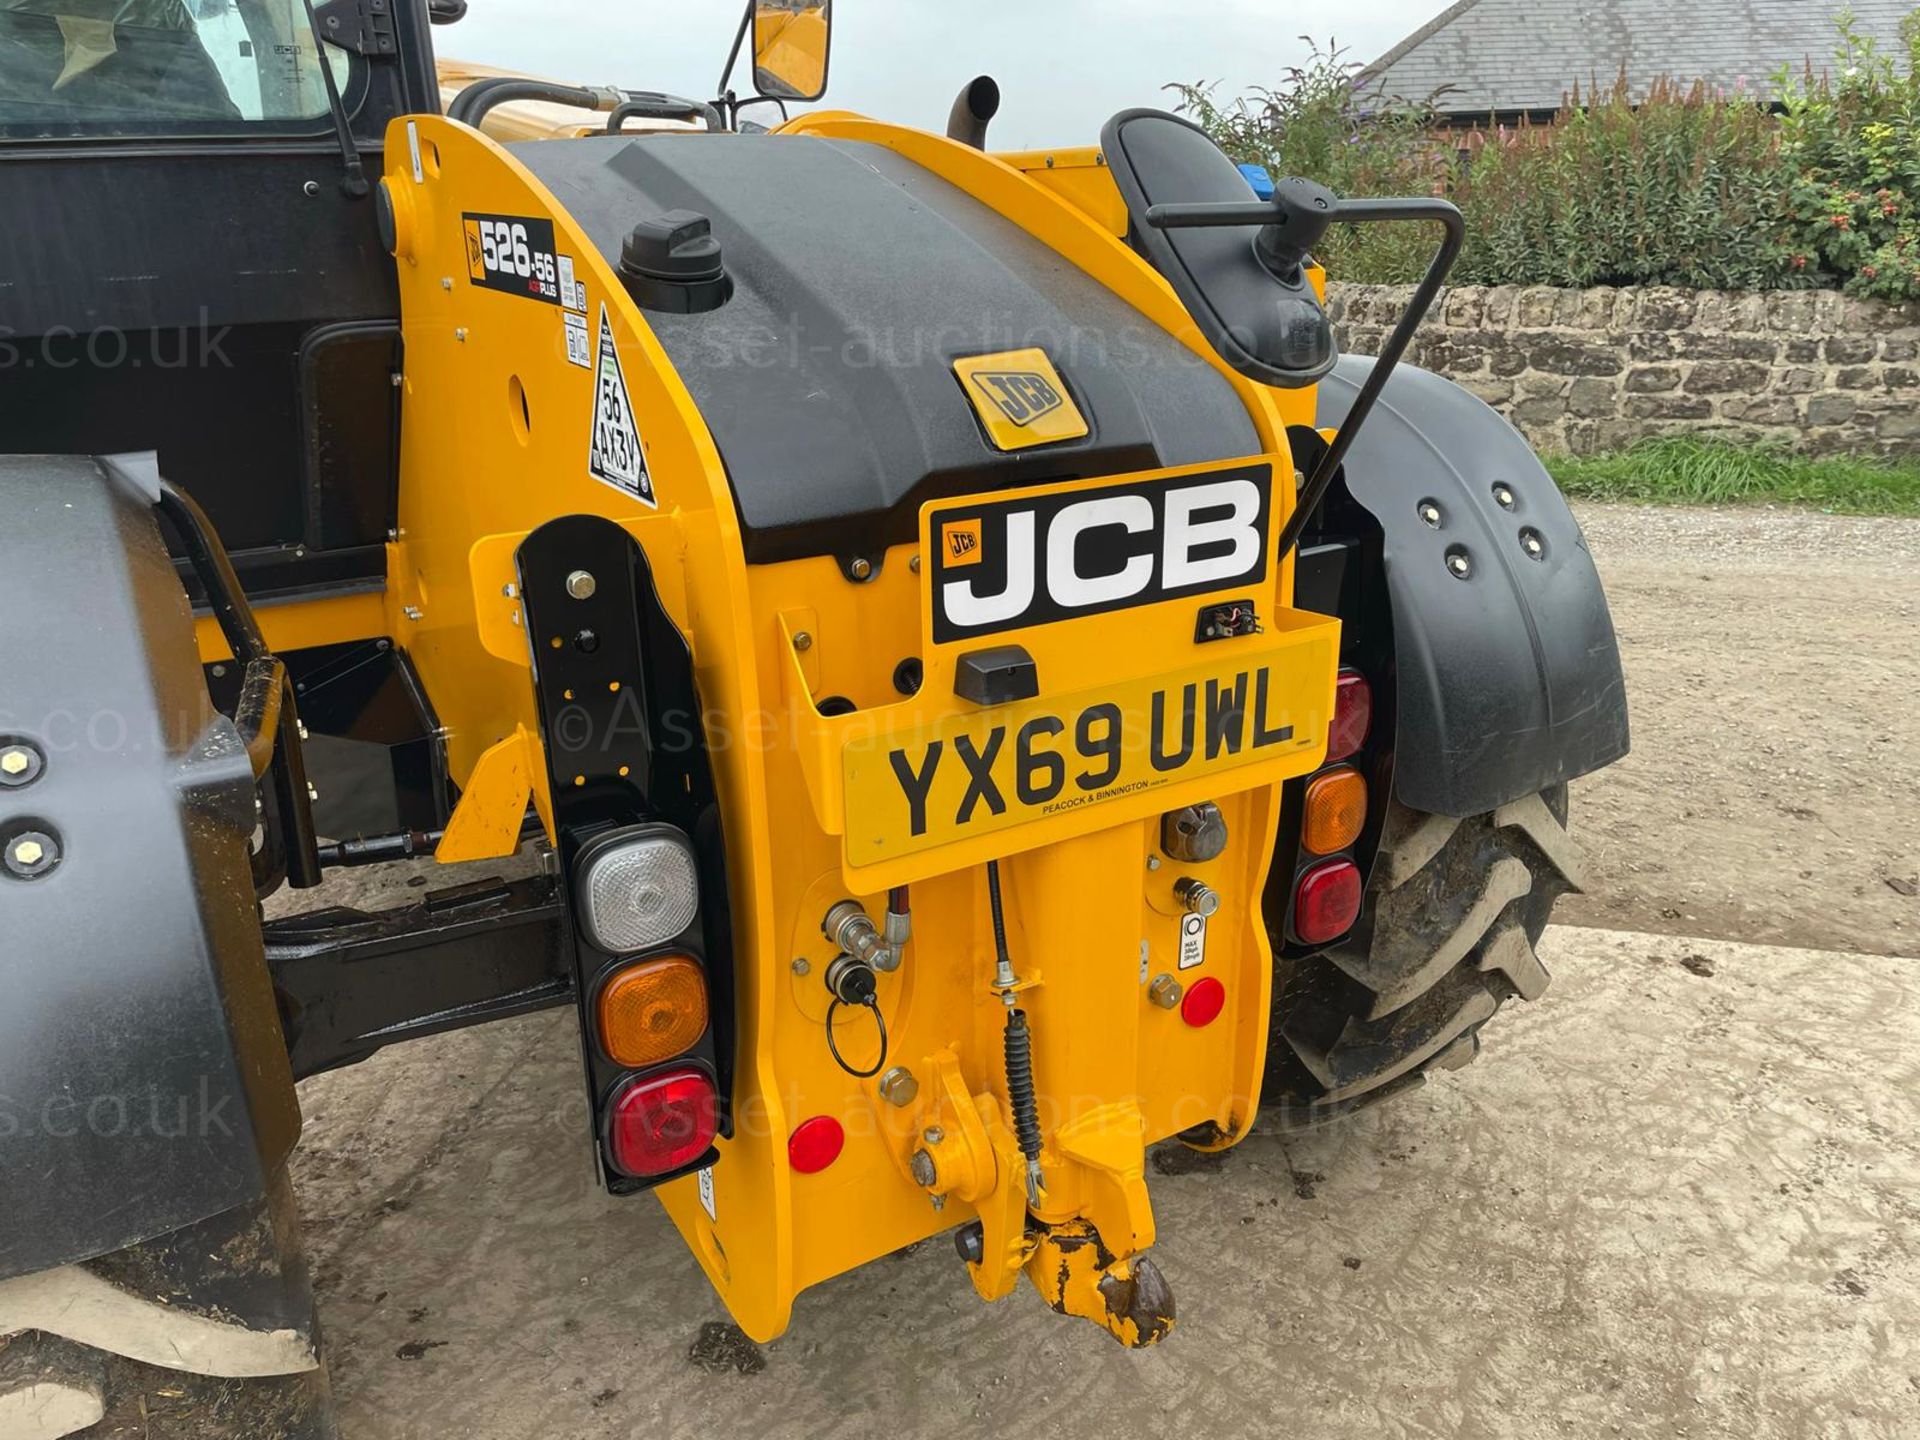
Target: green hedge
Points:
(1684, 187)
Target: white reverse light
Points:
(638, 888)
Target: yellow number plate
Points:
(970, 775)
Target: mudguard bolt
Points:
(1503, 497)
(1531, 542)
(581, 585)
(898, 1087)
(1430, 513)
(32, 853)
(924, 1174)
(19, 765)
(1460, 565)
(1165, 991)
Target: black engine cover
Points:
(859, 278)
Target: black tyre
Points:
(1446, 936)
(180, 1298)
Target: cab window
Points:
(144, 67)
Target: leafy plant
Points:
(1854, 146)
(1679, 186)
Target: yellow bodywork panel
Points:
(499, 425)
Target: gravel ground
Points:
(1679, 1196)
(1676, 1197)
(1773, 675)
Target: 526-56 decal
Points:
(515, 254)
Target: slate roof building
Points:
(1499, 60)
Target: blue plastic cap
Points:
(1259, 179)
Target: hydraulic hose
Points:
(1021, 1098)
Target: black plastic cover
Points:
(1269, 327)
(141, 1059)
(859, 278)
(1509, 676)
(997, 676)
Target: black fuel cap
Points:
(673, 262)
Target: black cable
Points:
(833, 1008)
(999, 917)
(1021, 1099)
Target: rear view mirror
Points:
(791, 43)
(1258, 311)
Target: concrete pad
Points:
(1679, 1195)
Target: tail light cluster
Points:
(637, 893)
(1327, 882)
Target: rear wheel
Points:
(203, 1334)
(1446, 936)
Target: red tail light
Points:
(1352, 715)
(1327, 902)
(662, 1122)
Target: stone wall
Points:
(1587, 370)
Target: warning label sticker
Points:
(573, 293)
(579, 348)
(706, 1192)
(1193, 941)
(614, 454)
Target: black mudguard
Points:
(1508, 679)
(144, 1083)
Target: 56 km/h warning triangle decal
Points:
(614, 456)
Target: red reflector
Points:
(662, 1122)
(1327, 902)
(1352, 715)
(815, 1144)
(1205, 1000)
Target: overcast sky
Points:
(1064, 66)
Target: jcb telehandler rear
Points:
(989, 688)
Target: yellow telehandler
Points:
(986, 686)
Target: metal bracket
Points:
(360, 27)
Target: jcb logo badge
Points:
(962, 541)
(1082, 549)
(1022, 395)
(1020, 399)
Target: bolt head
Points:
(914, 565)
(31, 854)
(801, 967)
(581, 585)
(1165, 991)
(803, 640)
(922, 1168)
(1460, 565)
(19, 765)
(861, 569)
(1430, 513)
(933, 1135)
(1503, 497)
(898, 1087)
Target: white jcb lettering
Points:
(1065, 583)
(968, 609)
(1184, 534)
